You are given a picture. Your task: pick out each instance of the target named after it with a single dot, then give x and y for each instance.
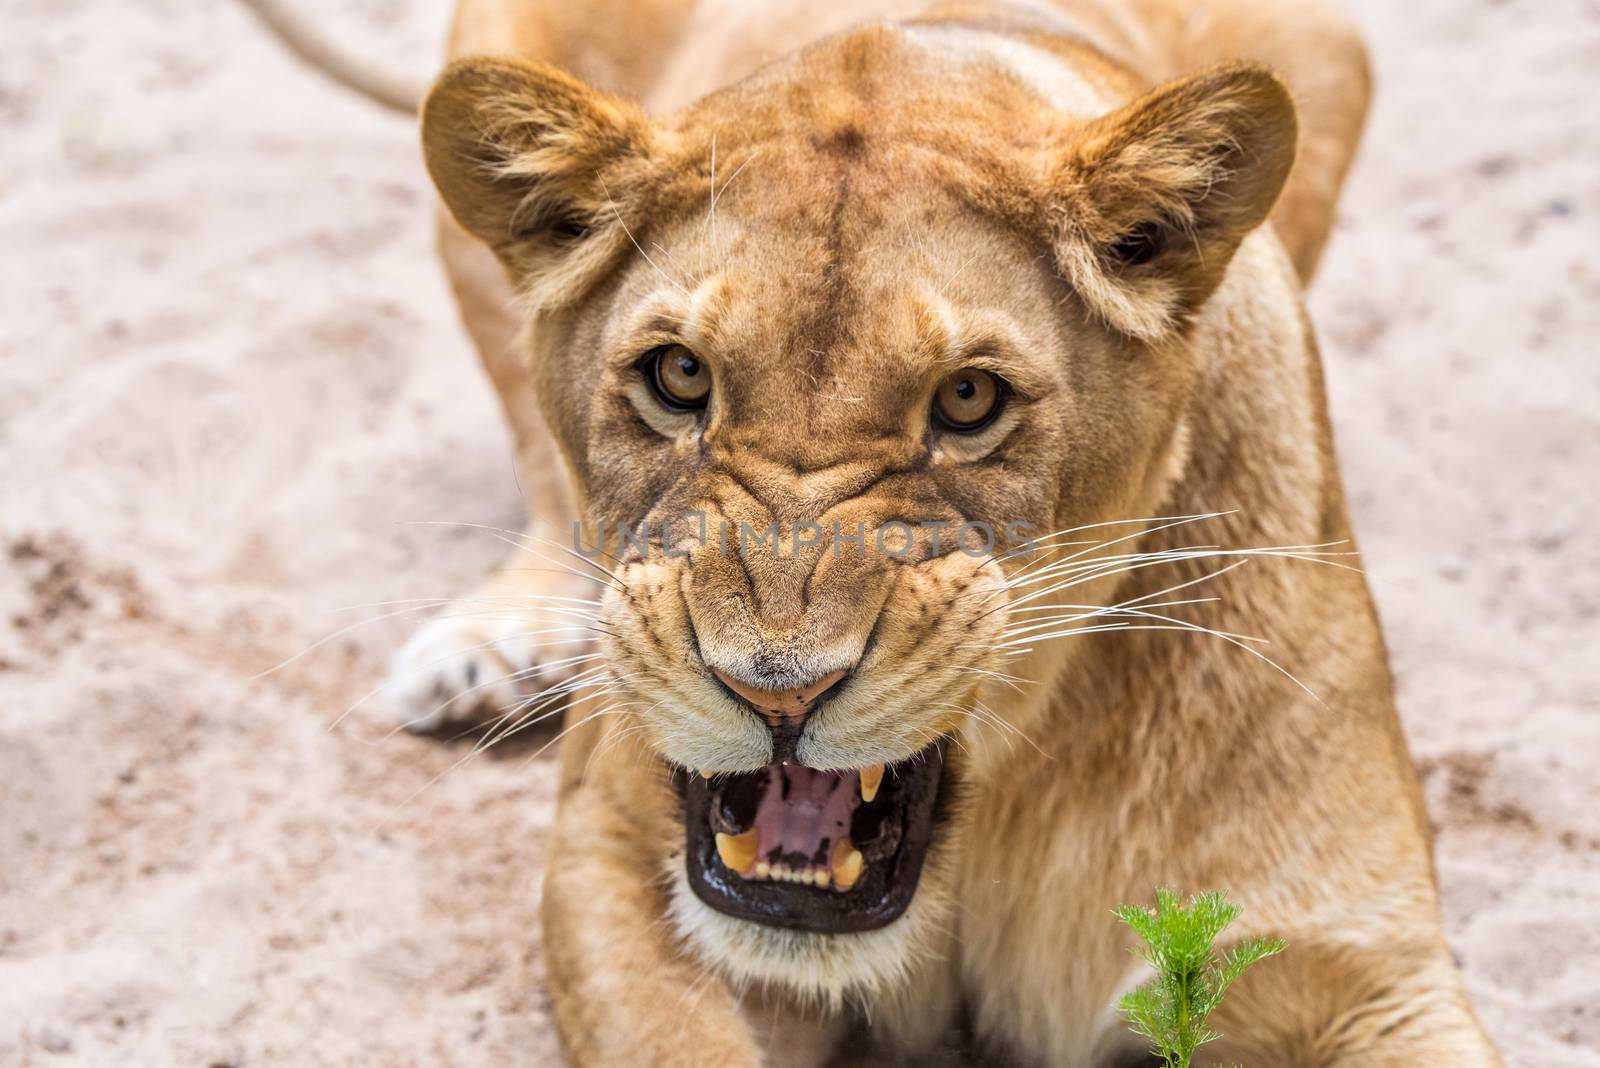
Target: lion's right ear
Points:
(541, 167)
(1151, 201)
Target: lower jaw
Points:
(882, 893)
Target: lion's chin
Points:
(768, 892)
(826, 969)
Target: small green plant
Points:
(1191, 978)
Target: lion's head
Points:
(830, 345)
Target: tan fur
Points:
(976, 185)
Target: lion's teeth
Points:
(847, 864)
(704, 774)
(847, 871)
(848, 861)
(871, 779)
(738, 851)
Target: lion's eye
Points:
(678, 377)
(968, 400)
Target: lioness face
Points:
(842, 432)
(832, 348)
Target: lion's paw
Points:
(467, 668)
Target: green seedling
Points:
(1191, 977)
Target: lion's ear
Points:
(543, 168)
(1150, 202)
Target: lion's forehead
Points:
(849, 318)
(996, 86)
(855, 120)
(829, 242)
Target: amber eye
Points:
(968, 400)
(678, 377)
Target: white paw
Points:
(468, 668)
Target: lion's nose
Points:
(783, 704)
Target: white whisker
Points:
(612, 204)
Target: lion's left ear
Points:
(542, 168)
(1149, 203)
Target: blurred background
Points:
(234, 399)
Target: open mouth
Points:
(824, 851)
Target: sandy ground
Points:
(232, 384)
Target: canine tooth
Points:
(847, 864)
(704, 774)
(849, 870)
(871, 779)
(738, 851)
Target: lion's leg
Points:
(624, 988)
(622, 993)
(523, 629)
(1338, 1006)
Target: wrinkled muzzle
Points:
(803, 673)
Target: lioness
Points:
(1020, 275)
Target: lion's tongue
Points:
(803, 812)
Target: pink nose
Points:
(785, 703)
